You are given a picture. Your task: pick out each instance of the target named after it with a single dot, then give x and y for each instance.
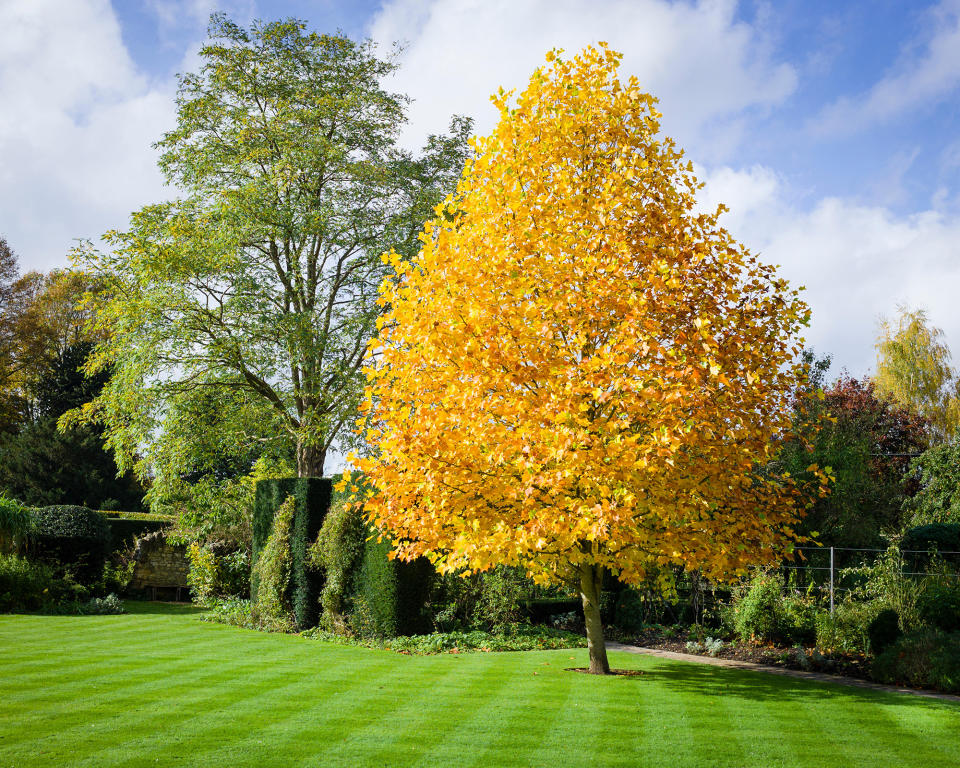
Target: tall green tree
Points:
(46, 349)
(262, 279)
(914, 368)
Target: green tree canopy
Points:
(259, 283)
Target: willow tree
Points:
(257, 287)
(579, 372)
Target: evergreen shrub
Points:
(75, 537)
(884, 630)
(391, 595)
(939, 603)
(125, 530)
(939, 537)
(926, 659)
(311, 500)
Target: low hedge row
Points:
(73, 536)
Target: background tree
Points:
(46, 346)
(261, 282)
(578, 372)
(9, 272)
(937, 472)
(867, 440)
(913, 367)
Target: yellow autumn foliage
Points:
(579, 368)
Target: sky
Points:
(831, 130)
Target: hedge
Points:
(75, 536)
(391, 595)
(311, 502)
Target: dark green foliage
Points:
(75, 537)
(501, 590)
(884, 630)
(630, 610)
(272, 570)
(311, 501)
(124, 530)
(23, 583)
(927, 659)
(942, 537)
(542, 609)
(488, 601)
(44, 466)
(41, 465)
(939, 603)
(391, 595)
(937, 472)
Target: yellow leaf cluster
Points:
(578, 367)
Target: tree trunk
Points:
(310, 459)
(591, 578)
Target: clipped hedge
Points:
(77, 537)
(311, 501)
(390, 596)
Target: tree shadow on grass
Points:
(765, 686)
(159, 608)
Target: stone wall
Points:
(161, 568)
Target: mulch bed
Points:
(772, 655)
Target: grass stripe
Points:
(162, 688)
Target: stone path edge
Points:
(754, 667)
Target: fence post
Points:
(831, 582)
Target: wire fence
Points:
(837, 573)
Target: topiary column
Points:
(311, 502)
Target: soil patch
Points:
(620, 672)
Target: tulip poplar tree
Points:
(579, 372)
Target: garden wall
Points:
(161, 569)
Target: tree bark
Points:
(310, 459)
(591, 578)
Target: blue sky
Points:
(830, 129)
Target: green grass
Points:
(161, 688)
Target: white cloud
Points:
(857, 262)
(707, 68)
(76, 127)
(916, 81)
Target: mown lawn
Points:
(159, 687)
